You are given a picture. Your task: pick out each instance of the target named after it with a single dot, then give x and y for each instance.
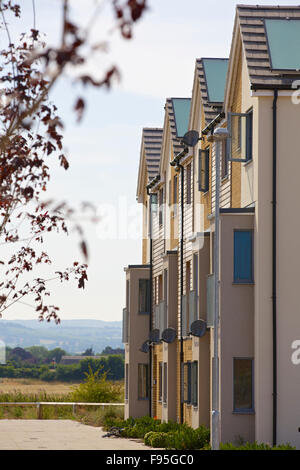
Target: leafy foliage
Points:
(112, 366)
(255, 446)
(168, 435)
(95, 389)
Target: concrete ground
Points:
(34, 434)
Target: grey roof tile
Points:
(152, 141)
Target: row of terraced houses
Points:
(245, 111)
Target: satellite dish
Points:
(154, 336)
(168, 335)
(145, 347)
(190, 138)
(198, 328)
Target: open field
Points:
(34, 386)
(33, 390)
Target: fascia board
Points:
(232, 66)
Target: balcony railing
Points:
(193, 308)
(125, 325)
(161, 317)
(189, 309)
(210, 300)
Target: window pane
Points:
(144, 296)
(224, 158)
(284, 43)
(175, 182)
(240, 130)
(154, 203)
(188, 184)
(195, 383)
(185, 382)
(165, 388)
(161, 205)
(160, 381)
(189, 397)
(243, 258)
(243, 386)
(203, 168)
(126, 382)
(142, 381)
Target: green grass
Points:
(93, 390)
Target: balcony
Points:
(189, 309)
(161, 317)
(210, 299)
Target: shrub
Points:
(95, 389)
(147, 438)
(187, 438)
(255, 446)
(157, 439)
(47, 376)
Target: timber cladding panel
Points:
(237, 108)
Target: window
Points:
(283, 40)
(144, 296)
(194, 383)
(143, 382)
(243, 384)
(195, 273)
(240, 127)
(161, 206)
(187, 395)
(189, 184)
(175, 192)
(187, 289)
(160, 288)
(127, 294)
(160, 379)
(203, 169)
(153, 198)
(184, 307)
(243, 256)
(125, 326)
(165, 387)
(126, 382)
(224, 159)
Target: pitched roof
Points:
(151, 141)
(149, 158)
(178, 110)
(251, 20)
(211, 109)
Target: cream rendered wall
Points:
(236, 329)
(288, 262)
(138, 332)
(262, 168)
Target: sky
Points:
(104, 148)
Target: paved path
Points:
(34, 434)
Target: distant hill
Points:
(75, 336)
